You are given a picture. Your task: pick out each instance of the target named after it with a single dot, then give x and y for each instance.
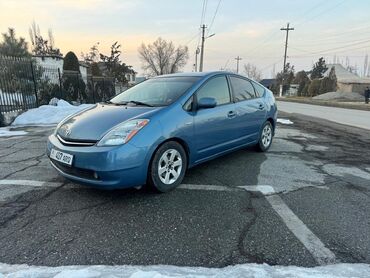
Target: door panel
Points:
(250, 109)
(215, 128)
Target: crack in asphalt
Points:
(38, 161)
(28, 204)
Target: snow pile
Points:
(49, 114)
(340, 96)
(6, 132)
(245, 271)
(285, 121)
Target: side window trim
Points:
(243, 78)
(228, 85)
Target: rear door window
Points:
(242, 89)
(260, 90)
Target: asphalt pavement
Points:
(305, 202)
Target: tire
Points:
(168, 166)
(265, 138)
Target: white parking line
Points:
(314, 245)
(206, 187)
(32, 183)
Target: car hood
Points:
(92, 124)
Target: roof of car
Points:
(194, 74)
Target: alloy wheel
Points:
(170, 166)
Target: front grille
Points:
(74, 171)
(76, 143)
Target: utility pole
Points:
(202, 48)
(237, 63)
(196, 59)
(287, 29)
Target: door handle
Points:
(231, 114)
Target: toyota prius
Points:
(153, 132)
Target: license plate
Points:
(61, 157)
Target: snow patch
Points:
(161, 271)
(6, 132)
(49, 114)
(285, 121)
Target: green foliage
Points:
(95, 70)
(302, 80)
(329, 83)
(71, 62)
(319, 69)
(314, 88)
(46, 91)
(285, 77)
(74, 88)
(305, 89)
(12, 46)
(41, 46)
(113, 65)
(92, 56)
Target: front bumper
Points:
(103, 167)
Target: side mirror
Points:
(206, 102)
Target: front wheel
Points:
(168, 166)
(265, 139)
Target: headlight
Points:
(122, 133)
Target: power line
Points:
(214, 16)
(322, 12)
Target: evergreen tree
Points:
(113, 65)
(301, 79)
(71, 62)
(12, 46)
(314, 88)
(329, 83)
(319, 69)
(284, 78)
(73, 85)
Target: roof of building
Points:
(345, 76)
(267, 82)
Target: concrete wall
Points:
(352, 87)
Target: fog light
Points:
(96, 176)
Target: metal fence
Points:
(24, 84)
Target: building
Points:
(268, 83)
(347, 81)
(51, 64)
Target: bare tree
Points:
(252, 72)
(162, 57)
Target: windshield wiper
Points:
(139, 103)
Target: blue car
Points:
(153, 132)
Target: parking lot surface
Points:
(306, 202)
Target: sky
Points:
(335, 29)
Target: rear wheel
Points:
(265, 139)
(168, 167)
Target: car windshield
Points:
(156, 92)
